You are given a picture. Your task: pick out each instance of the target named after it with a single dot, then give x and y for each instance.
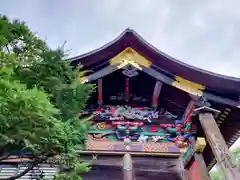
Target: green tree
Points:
(55, 76)
(40, 100)
(217, 174)
(236, 156)
(16, 38)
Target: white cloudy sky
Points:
(202, 33)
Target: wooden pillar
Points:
(219, 146)
(202, 166)
(193, 161)
(127, 167)
(156, 93)
(100, 96)
(182, 171)
(199, 146)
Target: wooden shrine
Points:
(156, 117)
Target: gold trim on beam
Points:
(130, 56)
(129, 62)
(188, 86)
(189, 83)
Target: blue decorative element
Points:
(179, 122)
(170, 139)
(187, 135)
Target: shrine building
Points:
(156, 117)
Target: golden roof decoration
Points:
(188, 86)
(130, 56)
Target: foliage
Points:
(218, 174)
(56, 77)
(40, 101)
(24, 114)
(236, 155)
(16, 38)
(75, 174)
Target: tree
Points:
(236, 155)
(16, 38)
(56, 77)
(27, 118)
(40, 100)
(218, 174)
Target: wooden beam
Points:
(199, 146)
(116, 153)
(220, 99)
(161, 77)
(128, 167)
(182, 171)
(219, 146)
(188, 111)
(156, 93)
(193, 156)
(154, 164)
(101, 73)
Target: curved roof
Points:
(129, 38)
(218, 84)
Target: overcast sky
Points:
(203, 33)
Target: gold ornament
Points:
(101, 125)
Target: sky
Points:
(201, 33)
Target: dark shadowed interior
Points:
(144, 169)
(140, 87)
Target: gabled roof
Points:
(162, 61)
(218, 87)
